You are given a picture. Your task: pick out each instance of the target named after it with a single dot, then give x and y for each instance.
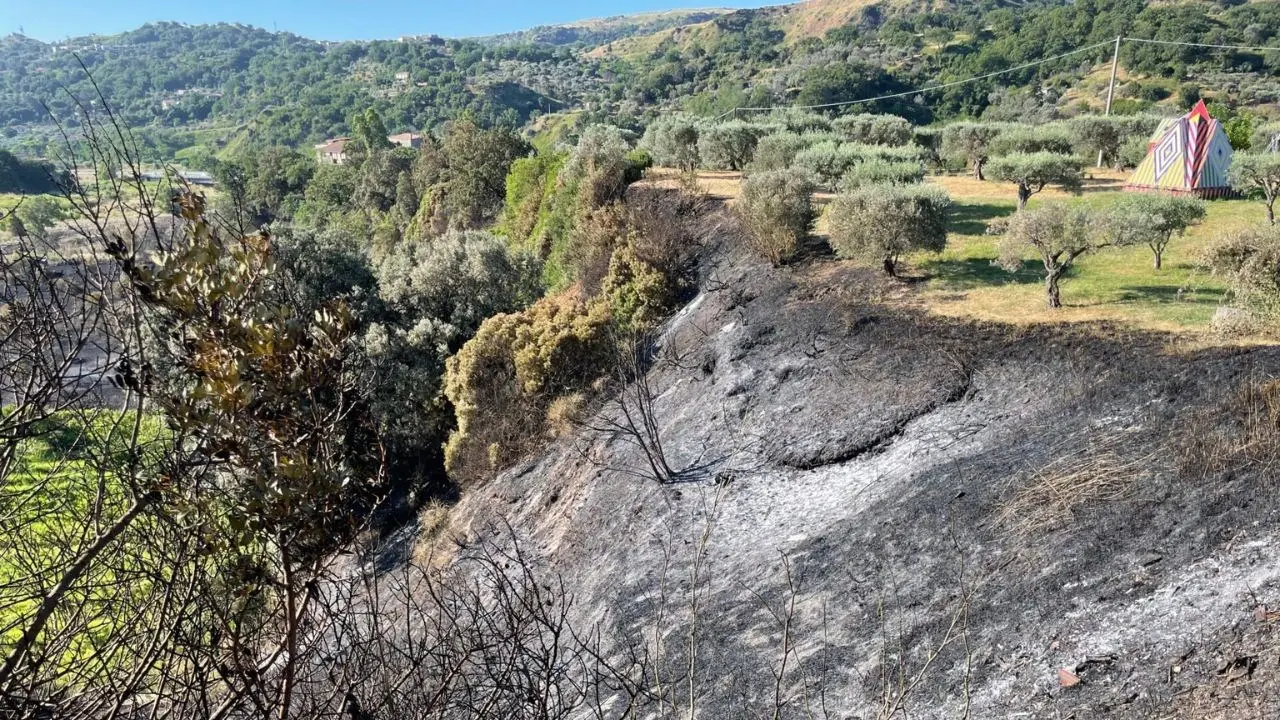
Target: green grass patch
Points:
(1117, 284)
(62, 479)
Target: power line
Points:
(1015, 68)
(1203, 45)
(940, 86)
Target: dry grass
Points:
(814, 18)
(433, 521)
(1243, 431)
(1051, 496)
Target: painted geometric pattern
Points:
(1187, 153)
(1167, 156)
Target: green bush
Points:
(502, 382)
(777, 151)
(872, 129)
(878, 171)
(881, 223)
(776, 213)
(638, 161)
(530, 187)
(1250, 259)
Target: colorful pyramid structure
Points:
(1186, 156)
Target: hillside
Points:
(598, 31)
(207, 88)
(884, 509)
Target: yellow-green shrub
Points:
(504, 379)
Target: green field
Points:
(60, 483)
(1117, 284)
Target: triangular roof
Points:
(1186, 155)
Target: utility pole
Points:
(1111, 88)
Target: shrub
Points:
(881, 223)
(436, 296)
(503, 382)
(777, 151)
(728, 145)
(596, 233)
(673, 142)
(637, 294)
(776, 212)
(1250, 259)
(529, 189)
(598, 165)
(874, 129)
(878, 171)
(639, 160)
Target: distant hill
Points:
(233, 87)
(598, 31)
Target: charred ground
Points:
(924, 514)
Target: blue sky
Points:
(323, 19)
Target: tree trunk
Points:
(891, 267)
(1024, 194)
(1051, 288)
(977, 170)
(1159, 258)
(1271, 212)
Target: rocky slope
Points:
(884, 512)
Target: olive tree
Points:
(884, 222)
(1032, 139)
(874, 129)
(1257, 172)
(970, 141)
(879, 171)
(1099, 135)
(776, 212)
(598, 164)
(1032, 172)
(673, 141)
(729, 145)
(1059, 234)
(1153, 220)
